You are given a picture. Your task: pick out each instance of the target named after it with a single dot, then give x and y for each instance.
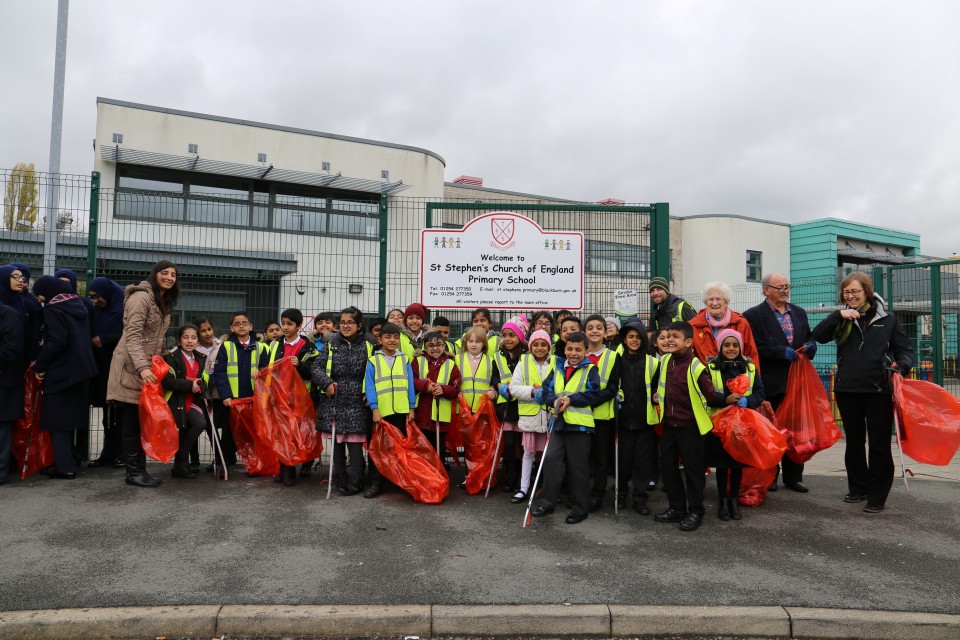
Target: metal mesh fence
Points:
(264, 252)
(30, 198)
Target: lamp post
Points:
(56, 134)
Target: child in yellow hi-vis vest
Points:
(436, 380)
(730, 363)
(571, 391)
(388, 385)
(684, 392)
(527, 387)
(638, 450)
(185, 384)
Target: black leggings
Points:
(868, 419)
(732, 474)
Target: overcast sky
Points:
(780, 110)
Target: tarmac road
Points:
(94, 542)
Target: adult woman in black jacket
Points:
(870, 344)
(65, 364)
(107, 298)
(12, 367)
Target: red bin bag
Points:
(257, 457)
(409, 462)
(32, 446)
(805, 416)
(480, 432)
(158, 429)
(929, 419)
(284, 416)
(748, 437)
(754, 486)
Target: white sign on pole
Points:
(501, 260)
(625, 303)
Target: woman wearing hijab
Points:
(26, 305)
(12, 367)
(81, 444)
(65, 364)
(107, 298)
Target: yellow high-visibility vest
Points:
(442, 408)
(391, 384)
(531, 378)
(580, 416)
(697, 400)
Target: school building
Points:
(263, 217)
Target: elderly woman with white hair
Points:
(714, 318)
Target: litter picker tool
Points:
(217, 449)
(493, 465)
(333, 440)
(436, 425)
(536, 480)
(896, 429)
(616, 458)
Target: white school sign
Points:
(501, 260)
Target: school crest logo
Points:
(502, 229)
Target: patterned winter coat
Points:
(348, 368)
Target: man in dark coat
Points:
(666, 307)
(779, 330)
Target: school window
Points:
(614, 258)
(754, 266)
(164, 195)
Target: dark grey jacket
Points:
(348, 366)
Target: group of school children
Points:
(564, 387)
(577, 388)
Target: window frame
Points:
(261, 194)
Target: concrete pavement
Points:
(95, 542)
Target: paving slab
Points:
(106, 624)
(521, 620)
(661, 621)
(840, 624)
(324, 621)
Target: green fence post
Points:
(936, 321)
(659, 244)
(880, 284)
(660, 240)
(382, 302)
(93, 225)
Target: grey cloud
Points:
(788, 111)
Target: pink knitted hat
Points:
(540, 334)
(726, 333)
(519, 325)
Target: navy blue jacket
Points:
(66, 355)
(244, 386)
(12, 364)
(586, 398)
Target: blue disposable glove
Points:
(810, 349)
(538, 396)
(504, 391)
(790, 354)
(742, 402)
(619, 403)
